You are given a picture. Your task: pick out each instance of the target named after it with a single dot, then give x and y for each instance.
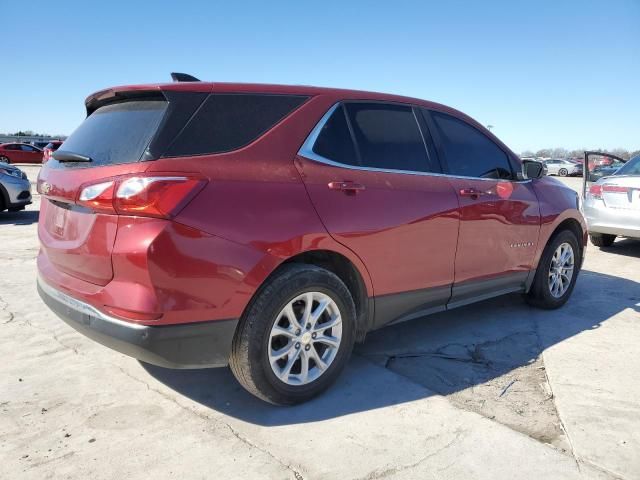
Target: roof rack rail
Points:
(183, 77)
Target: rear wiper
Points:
(70, 157)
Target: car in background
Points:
(20, 153)
(563, 167)
(49, 149)
(40, 144)
(612, 205)
(15, 188)
(604, 169)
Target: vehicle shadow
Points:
(629, 247)
(23, 217)
(498, 335)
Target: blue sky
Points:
(544, 73)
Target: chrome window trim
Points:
(306, 151)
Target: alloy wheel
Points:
(305, 338)
(561, 270)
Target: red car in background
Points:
(49, 149)
(20, 153)
(270, 227)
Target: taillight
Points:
(596, 191)
(149, 196)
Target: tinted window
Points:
(632, 167)
(334, 141)
(117, 133)
(28, 148)
(12, 147)
(388, 136)
(227, 122)
(468, 151)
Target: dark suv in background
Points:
(198, 224)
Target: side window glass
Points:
(388, 136)
(468, 152)
(334, 141)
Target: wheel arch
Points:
(343, 267)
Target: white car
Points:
(563, 167)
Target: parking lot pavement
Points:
(495, 390)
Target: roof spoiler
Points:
(183, 77)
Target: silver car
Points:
(612, 205)
(563, 167)
(15, 189)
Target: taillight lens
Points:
(150, 196)
(98, 197)
(596, 191)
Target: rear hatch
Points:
(112, 141)
(621, 192)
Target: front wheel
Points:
(557, 272)
(4, 159)
(296, 335)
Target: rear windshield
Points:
(117, 133)
(632, 167)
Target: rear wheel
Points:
(4, 159)
(557, 272)
(563, 172)
(296, 335)
(602, 239)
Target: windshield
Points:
(117, 133)
(632, 167)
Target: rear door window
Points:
(227, 122)
(388, 136)
(117, 133)
(469, 152)
(335, 142)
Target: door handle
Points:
(471, 192)
(348, 187)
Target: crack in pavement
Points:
(379, 474)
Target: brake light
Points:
(615, 189)
(596, 191)
(149, 196)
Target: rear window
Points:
(117, 133)
(632, 167)
(227, 122)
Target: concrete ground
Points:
(495, 390)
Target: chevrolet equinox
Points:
(268, 227)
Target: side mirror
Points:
(533, 169)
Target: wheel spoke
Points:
(332, 342)
(284, 373)
(281, 331)
(291, 316)
(283, 352)
(320, 309)
(333, 322)
(316, 358)
(304, 366)
(308, 305)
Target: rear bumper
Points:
(613, 221)
(195, 345)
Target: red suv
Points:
(269, 227)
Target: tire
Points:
(16, 209)
(602, 239)
(4, 159)
(563, 172)
(541, 294)
(253, 342)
